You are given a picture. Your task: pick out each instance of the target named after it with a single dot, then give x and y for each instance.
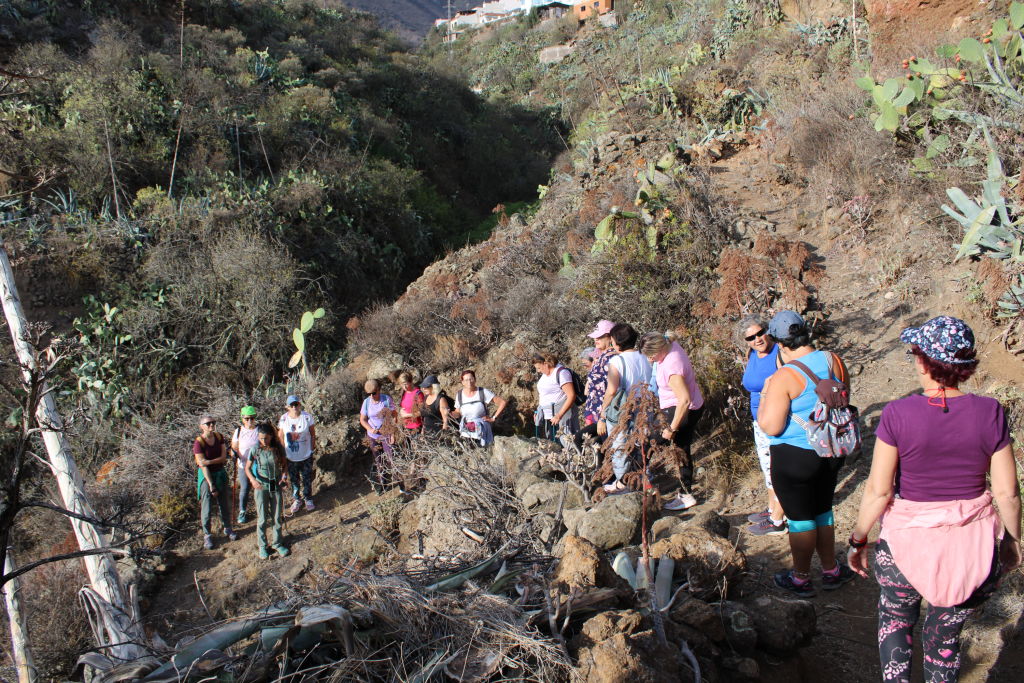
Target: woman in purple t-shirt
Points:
(927, 484)
(377, 416)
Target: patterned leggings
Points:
(899, 607)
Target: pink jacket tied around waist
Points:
(944, 548)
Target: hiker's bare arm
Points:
(442, 405)
(570, 397)
(500, 403)
(613, 386)
(249, 475)
(779, 391)
(678, 386)
(1006, 490)
(312, 438)
(878, 490)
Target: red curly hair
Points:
(949, 375)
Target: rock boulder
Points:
(613, 522)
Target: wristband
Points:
(854, 543)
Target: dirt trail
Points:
(208, 585)
(864, 323)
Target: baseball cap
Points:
(292, 399)
(429, 381)
(588, 353)
(248, 411)
(941, 338)
(782, 321)
(603, 328)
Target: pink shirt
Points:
(676, 362)
(408, 403)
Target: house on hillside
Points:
(553, 10)
(592, 8)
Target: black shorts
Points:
(803, 481)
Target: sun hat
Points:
(604, 327)
(292, 399)
(248, 411)
(941, 338)
(429, 381)
(782, 321)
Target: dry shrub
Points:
(777, 273)
(837, 150)
(57, 627)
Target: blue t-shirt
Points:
(757, 371)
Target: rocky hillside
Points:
(714, 160)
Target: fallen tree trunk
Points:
(120, 634)
(23, 662)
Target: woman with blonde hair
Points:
(681, 404)
(410, 405)
(436, 406)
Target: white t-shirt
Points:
(473, 406)
(633, 367)
(298, 444)
(550, 389)
(246, 440)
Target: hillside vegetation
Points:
(178, 190)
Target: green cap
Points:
(248, 411)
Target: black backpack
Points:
(579, 386)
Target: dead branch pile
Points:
(367, 628)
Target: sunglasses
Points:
(209, 424)
(248, 417)
(759, 333)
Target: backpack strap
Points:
(807, 371)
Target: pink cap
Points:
(604, 327)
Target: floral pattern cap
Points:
(941, 338)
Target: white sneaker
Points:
(682, 501)
(296, 506)
(309, 506)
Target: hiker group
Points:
(943, 481)
(266, 457)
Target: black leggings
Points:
(683, 438)
(591, 431)
(803, 481)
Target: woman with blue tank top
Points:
(804, 482)
(762, 362)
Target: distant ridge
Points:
(411, 19)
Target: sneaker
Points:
(309, 506)
(241, 518)
(682, 501)
(264, 554)
(830, 582)
(232, 536)
(208, 542)
(766, 528)
(615, 487)
(282, 551)
(296, 506)
(784, 580)
(758, 517)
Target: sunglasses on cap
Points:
(759, 333)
